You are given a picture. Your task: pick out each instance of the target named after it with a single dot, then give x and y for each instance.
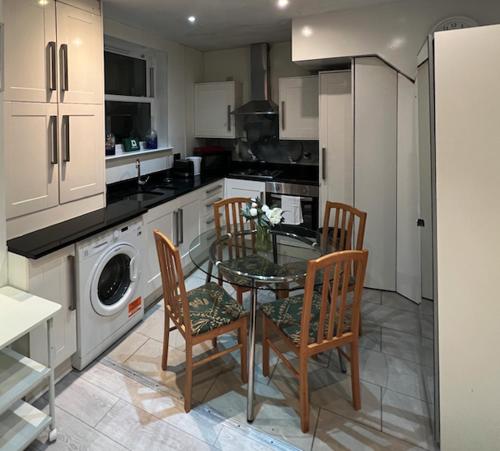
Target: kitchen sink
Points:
(145, 196)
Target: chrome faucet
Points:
(140, 181)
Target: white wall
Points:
(184, 68)
(3, 225)
(394, 31)
(234, 64)
(468, 238)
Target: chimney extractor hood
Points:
(260, 80)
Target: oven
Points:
(309, 200)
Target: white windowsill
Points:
(137, 153)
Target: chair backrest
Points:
(339, 312)
(230, 211)
(339, 235)
(172, 277)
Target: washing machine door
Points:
(114, 281)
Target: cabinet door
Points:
(160, 218)
(53, 278)
(188, 226)
(30, 157)
(80, 42)
(298, 108)
(30, 51)
(82, 151)
(213, 105)
(244, 188)
(336, 139)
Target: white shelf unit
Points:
(137, 153)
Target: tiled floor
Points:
(125, 401)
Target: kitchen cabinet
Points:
(244, 188)
(188, 225)
(32, 178)
(51, 277)
(82, 159)
(212, 193)
(298, 97)
(336, 138)
(93, 6)
(80, 40)
(213, 104)
(30, 68)
(161, 218)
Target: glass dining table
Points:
(239, 259)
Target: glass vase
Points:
(263, 239)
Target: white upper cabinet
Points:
(244, 188)
(81, 60)
(213, 104)
(81, 151)
(93, 6)
(30, 51)
(299, 108)
(31, 157)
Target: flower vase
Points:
(263, 238)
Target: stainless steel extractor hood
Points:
(260, 80)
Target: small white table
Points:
(20, 422)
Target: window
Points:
(131, 95)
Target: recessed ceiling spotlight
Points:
(191, 19)
(307, 31)
(282, 3)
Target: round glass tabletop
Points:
(246, 260)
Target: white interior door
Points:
(31, 157)
(336, 138)
(30, 51)
(82, 154)
(408, 241)
(213, 105)
(79, 37)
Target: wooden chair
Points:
(318, 322)
(209, 311)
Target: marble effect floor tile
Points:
(407, 346)
(126, 347)
(395, 300)
(335, 432)
(391, 318)
(138, 430)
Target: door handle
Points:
(67, 152)
(229, 118)
(176, 225)
(323, 163)
(54, 158)
(282, 115)
(52, 66)
(72, 272)
(64, 67)
(181, 220)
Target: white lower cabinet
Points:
(51, 277)
(244, 188)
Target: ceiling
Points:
(221, 23)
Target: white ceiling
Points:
(221, 23)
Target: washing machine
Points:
(108, 281)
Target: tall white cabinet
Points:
(54, 101)
(298, 106)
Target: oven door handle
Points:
(278, 196)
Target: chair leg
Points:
(356, 390)
(242, 339)
(189, 377)
(265, 347)
(341, 361)
(214, 343)
(360, 326)
(166, 334)
(304, 395)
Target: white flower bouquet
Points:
(265, 218)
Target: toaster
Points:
(183, 169)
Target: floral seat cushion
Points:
(211, 307)
(301, 266)
(287, 315)
(253, 264)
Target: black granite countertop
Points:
(125, 202)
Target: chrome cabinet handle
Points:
(209, 221)
(67, 152)
(323, 163)
(181, 220)
(283, 115)
(72, 272)
(176, 225)
(210, 204)
(54, 158)
(52, 66)
(64, 67)
(151, 82)
(229, 118)
(211, 190)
